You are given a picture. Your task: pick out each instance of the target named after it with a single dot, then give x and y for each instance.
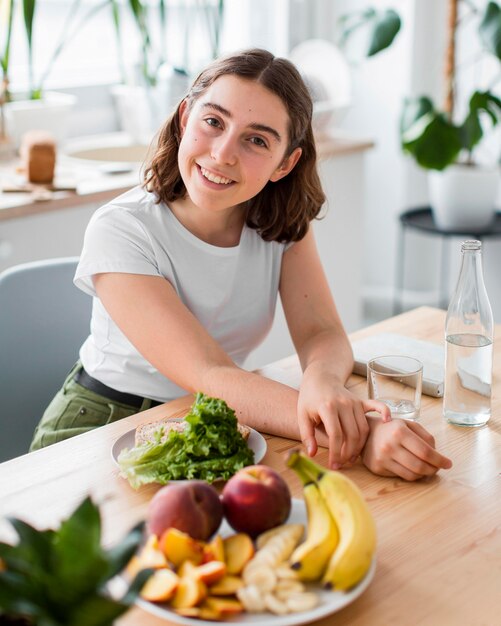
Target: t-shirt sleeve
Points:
(115, 241)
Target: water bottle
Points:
(469, 334)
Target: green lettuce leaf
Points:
(210, 447)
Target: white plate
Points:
(330, 601)
(256, 442)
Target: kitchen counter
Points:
(97, 187)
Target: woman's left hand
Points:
(324, 402)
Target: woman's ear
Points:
(287, 165)
(183, 115)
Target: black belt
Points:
(82, 378)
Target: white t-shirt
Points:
(231, 291)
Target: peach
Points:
(187, 568)
(192, 506)
(256, 499)
(178, 547)
(214, 550)
(200, 612)
(150, 555)
(238, 551)
(227, 586)
(189, 592)
(209, 573)
(160, 586)
(224, 606)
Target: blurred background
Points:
(383, 75)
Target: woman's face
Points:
(233, 142)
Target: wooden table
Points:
(439, 540)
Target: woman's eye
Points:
(258, 142)
(212, 121)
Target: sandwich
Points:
(159, 431)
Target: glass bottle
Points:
(469, 334)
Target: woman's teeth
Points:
(215, 179)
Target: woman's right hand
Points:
(401, 448)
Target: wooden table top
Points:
(439, 540)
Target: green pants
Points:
(76, 410)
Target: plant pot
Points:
(463, 197)
(51, 113)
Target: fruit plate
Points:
(330, 601)
(256, 442)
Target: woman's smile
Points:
(216, 180)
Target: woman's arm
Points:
(168, 335)
(326, 358)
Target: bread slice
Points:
(146, 432)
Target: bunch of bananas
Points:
(341, 534)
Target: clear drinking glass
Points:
(397, 381)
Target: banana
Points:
(310, 558)
(353, 555)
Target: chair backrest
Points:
(44, 320)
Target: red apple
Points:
(256, 499)
(192, 506)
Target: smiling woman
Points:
(185, 272)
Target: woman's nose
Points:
(224, 150)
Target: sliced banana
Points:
(276, 606)
(287, 587)
(251, 598)
(286, 529)
(299, 602)
(263, 578)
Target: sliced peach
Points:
(238, 550)
(178, 547)
(224, 606)
(214, 550)
(190, 592)
(227, 586)
(201, 612)
(187, 568)
(210, 572)
(160, 586)
(148, 557)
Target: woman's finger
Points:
(335, 436)
(307, 432)
(379, 407)
(351, 435)
(423, 451)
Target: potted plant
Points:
(36, 108)
(60, 577)
(462, 191)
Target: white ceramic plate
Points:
(256, 442)
(330, 601)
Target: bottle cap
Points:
(471, 244)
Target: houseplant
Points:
(59, 577)
(37, 108)
(444, 140)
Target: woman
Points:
(186, 269)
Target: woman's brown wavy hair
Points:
(283, 210)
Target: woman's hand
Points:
(325, 403)
(402, 448)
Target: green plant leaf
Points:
(471, 129)
(79, 563)
(490, 29)
(121, 554)
(428, 136)
(136, 585)
(379, 27)
(96, 610)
